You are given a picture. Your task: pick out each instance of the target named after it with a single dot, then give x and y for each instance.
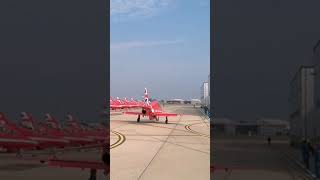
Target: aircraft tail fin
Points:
(146, 97)
(27, 120)
(51, 120)
(3, 119)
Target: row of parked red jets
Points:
(152, 110)
(28, 134)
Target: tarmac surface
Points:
(155, 150)
(246, 158)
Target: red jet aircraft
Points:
(124, 104)
(98, 133)
(72, 132)
(30, 136)
(27, 133)
(11, 141)
(118, 104)
(151, 109)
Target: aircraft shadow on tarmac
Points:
(156, 125)
(146, 121)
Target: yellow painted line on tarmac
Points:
(121, 139)
(188, 127)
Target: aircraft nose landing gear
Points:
(166, 119)
(138, 119)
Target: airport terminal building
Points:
(260, 127)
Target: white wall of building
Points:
(204, 93)
(302, 102)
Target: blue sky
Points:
(163, 45)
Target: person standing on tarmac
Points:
(311, 148)
(317, 159)
(269, 140)
(305, 153)
(106, 159)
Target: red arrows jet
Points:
(130, 104)
(137, 103)
(151, 109)
(10, 140)
(117, 104)
(71, 132)
(123, 104)
(29, 130)
(14, 138)
(98, 135)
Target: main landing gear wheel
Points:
(138, 119)
(93, 174)
(166, 120)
